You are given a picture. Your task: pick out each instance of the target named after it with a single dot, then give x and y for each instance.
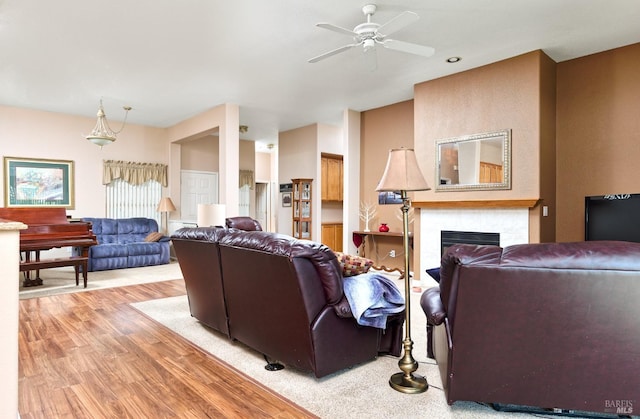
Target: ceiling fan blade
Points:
(332, 52)
(338, 29)
(409, 47)
(397, 23)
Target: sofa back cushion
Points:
(599, 255)
(320, 256)
(577, 256)
(209, 234)
(122, 230)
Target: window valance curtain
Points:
(246, 178)
(134, 173)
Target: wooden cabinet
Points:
(332, 236)
(332, 177)
(302, 208)
(491, 173)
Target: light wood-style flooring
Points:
(92, 355)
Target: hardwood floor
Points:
(91, 355)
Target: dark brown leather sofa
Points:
(553, 325)
(280, 296)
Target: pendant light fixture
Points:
(102, 134)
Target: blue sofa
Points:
(121, 244)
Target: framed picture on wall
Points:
(286, 199)
(38, 183)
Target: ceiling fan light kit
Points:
(370, 34)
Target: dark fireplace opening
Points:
(448, 238)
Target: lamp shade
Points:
(166, 205)
(211, 215)
(402, 172)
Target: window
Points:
(125, 200)
(133, 189)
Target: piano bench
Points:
(75, 261)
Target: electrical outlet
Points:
(392, 253)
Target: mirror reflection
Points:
(474, 162)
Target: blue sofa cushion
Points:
(145, 248)
(134, 230)
(110, 250)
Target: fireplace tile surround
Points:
(511, 223)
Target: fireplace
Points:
(448, 238)
(512, 225)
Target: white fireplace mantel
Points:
(509, 218)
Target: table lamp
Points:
(165, 206)
(211, 215)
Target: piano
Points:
(49, 228)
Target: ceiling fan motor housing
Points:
(367, 30)
(369, 9)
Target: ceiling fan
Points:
(370, 34)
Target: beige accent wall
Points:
(200, 154)
(383, 129)
(598, 129)
(297, 154)
(502, 95)
(515, 94)
(546, 225)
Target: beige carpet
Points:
(62, 280)
(359, 392)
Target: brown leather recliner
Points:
(243, 223)
(281, 296)
(550, 325)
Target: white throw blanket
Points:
(372, 298)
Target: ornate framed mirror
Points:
(474, 162)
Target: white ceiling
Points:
(171, 60)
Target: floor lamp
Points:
(403, 174)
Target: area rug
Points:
(62, 280)
(362, 391)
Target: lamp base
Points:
(413, 384)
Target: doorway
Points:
(263, 205)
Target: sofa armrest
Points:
(343, 309)
(432, 306)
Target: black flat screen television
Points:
(612, 217)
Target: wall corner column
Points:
(9, 317)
